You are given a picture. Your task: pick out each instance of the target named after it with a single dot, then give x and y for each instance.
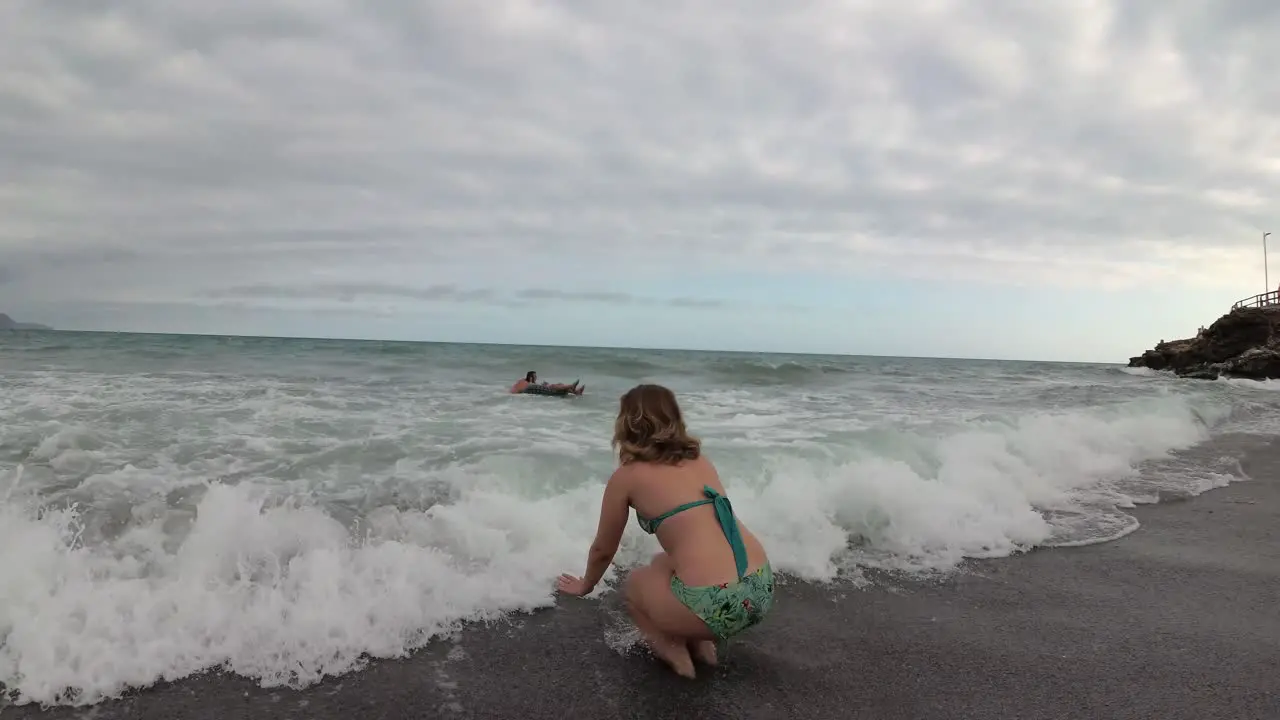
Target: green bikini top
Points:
(724, 513)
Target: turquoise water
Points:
(279, 507)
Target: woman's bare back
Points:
(692, 538)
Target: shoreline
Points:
(1175, 620)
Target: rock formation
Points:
(1243, 343)
(8, 323)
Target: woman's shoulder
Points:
(642, 469)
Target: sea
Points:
(285, 509)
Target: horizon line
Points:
(570, 346)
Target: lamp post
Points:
(1266, 278)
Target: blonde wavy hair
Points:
(651, 429)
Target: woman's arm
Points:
(615, 509)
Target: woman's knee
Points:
(649, 595)
(659, 570)
(634, 584)
(662, 561)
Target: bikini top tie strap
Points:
(729, 524)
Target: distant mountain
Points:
(8, 323)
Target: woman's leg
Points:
(671, 650)
(703, 651)
(668, 626)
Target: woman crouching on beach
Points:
(713, 581)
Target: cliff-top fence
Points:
(1265, 299)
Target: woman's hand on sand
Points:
(571, 585)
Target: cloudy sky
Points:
(1064, 179)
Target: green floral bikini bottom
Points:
(729, 608)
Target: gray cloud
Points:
(616, 298)
(161, 152)
(697, 303)
(349, 292)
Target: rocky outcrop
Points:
(1243, 343)
(8, 323)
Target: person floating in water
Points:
(531, 386)
(713, 579)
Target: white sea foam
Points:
(1140, 371)
(283, 529)
(1271, 385)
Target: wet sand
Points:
(1178, 620)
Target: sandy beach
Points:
(1178, 620)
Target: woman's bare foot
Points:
(704, 651)
(673, 653)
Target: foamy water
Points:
(282, 508)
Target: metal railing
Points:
(1266, 299)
